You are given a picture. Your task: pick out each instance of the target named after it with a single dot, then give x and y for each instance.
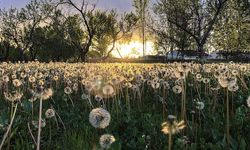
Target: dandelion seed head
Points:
(108, 90)
(38, 75)
(243, 68)
(248, 101)
(198, 76)
(46, 94)
(177, 89)
(13, 76)
(206, 80)
(32, 79)
(41, 82)
(16, 82)
(99, 118)
(14, 96)
(155, 85)
(233, 87)
(235, 72)
(223, 82)
(67, 90)
(49, 113)
(98, 98)
(6, 78)
(84, 96)
(55, 78)
(200, 105)
(106, 140)
(23, 75)
(36, 123)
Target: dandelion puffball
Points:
(106, 140)
(248, 101)
(99, 118)
(46, 94)
(108, 90)
(200, 105)
(50, 113)
(177, 89)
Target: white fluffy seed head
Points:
(99, 118)
(106, 140)
(200, 105)
(50, 113)
(248, 101)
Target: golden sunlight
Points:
(132, 49)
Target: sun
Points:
(133, 49)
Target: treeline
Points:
(202, 25)
(61, 31)
(67, 30)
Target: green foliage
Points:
(233, 35)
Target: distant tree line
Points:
(61, 31)
(201, 25)
(72, 30)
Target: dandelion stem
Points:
(243, 83)
(31, 134)
(71, 101)
(9, 127)
(227, 121)
(193, 127)
(49, 132)
(32, 113)
(127, 99)
(9, 136)
(169, 140)
(39, 125)
(60, 119)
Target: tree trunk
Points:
(83, 55)
(32, 54)
(200, 51)
(21, 54)
(6, 52)
(172, 52)
(86, 48)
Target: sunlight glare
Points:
(132, 49)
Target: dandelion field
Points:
(124, 106)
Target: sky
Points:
(119, 5)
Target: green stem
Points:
(49, 132)
(127, 99)
(227, 121)
(11, 114)
(39, 125)
(9, 127)
(169, 140)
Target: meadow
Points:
(88, 106)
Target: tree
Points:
(198, 21)
(168, 36)
(4, 49)
(118, 29)
(231, 33)
(19, 26)
(100, 29)
(141, 10)
(90, 23)
(52, 40)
